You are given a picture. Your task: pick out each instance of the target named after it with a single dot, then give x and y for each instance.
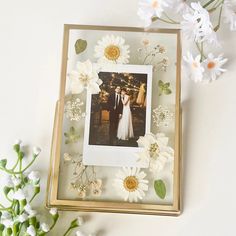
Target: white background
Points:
(30, 58)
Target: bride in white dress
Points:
(125, 126)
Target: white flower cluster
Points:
(197, 26)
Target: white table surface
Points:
(30, 60)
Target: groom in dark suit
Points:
(115, 107)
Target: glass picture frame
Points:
(163, 56)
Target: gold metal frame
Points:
(102, 206)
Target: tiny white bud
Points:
(18, 142)
(34, 176)
(80, 233)
(36, 151)
(53, 211)
(19, 195)
(22, 218)
(16, 181)
(45, 227)
(80, 220)
(31, 231)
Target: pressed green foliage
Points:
(80, 46)
(160, 188)
(164, 88)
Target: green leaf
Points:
(160, 188)
(160, 83)
(80, 46)
(166, 85)
(167, 91)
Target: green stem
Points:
(208, 3)
(14, 167)
(67, 231)
(219, 19)
(18, 172)
(32, 198)
(201, 51)
(174, 22)
(163, 20)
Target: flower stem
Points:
(18, 172)
(163, 20)
(208, 3)
(219, 19)
(67, 231)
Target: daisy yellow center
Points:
(112, 52)
(155, 4)
(211, 65)
(154, 150)
(131, 183)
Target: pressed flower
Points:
(112, 49)
(85, 76)
(131, 184)
(156, 151)
(162, 116)
(73, 109)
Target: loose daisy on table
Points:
(85, 76)
(194, 68)
(131, 184)
(213, 67)
(156, 151)
(151, 8)
(112, 49)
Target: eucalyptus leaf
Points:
(160, 188)
(80, 46)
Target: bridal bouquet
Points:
(200, 22)
(20, 189)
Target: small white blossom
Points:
(18, 142)
(80, 220)
(34, 176)
(53, 211)
(22, 218)
(30, 211)
(79, 233)
(7, 181)
(16, 181)
(31, 231)
(19, 195)
(36, 151)
(8, 223)
(45, 227)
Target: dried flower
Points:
(162, 116)
(73, 109)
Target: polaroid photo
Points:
(118, 116)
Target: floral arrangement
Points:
(20, 189)
(198, 26)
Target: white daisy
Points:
(85, 76)
(130, 184)
(229, 13)
(156, 151)
(151, 8)
(196, 24)
(112, 49)
(213, 66)
(193, 67)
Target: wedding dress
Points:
(125, 126)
